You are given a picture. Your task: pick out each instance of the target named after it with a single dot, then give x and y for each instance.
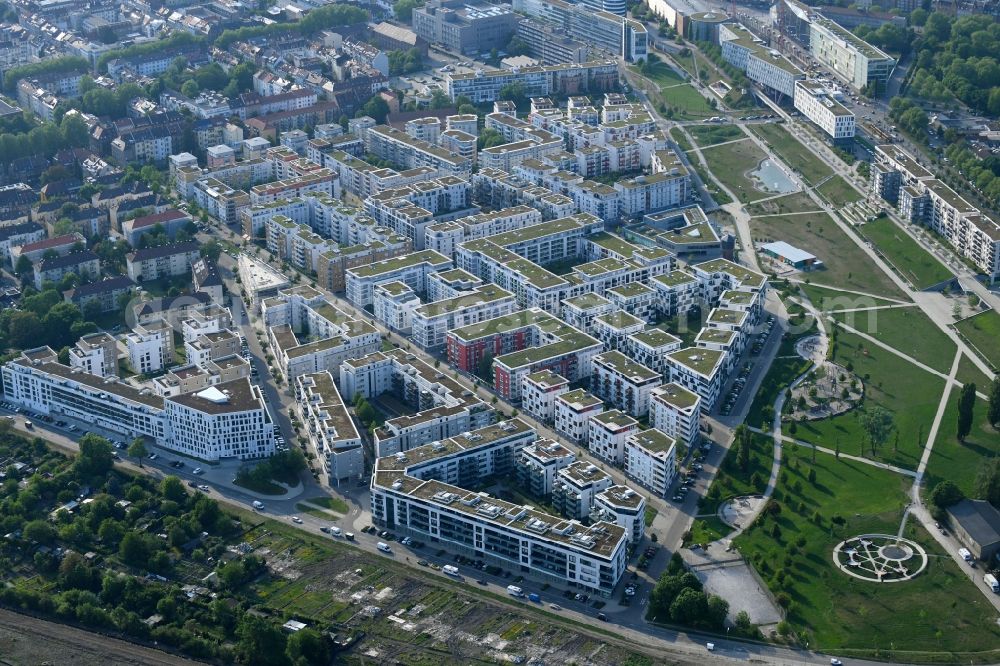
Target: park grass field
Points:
(907, 330)
(913, 262)
(969, 372)
(938, 611)
(844, 264)
(796, 202)
(709, 135)
(909, 393)
(983, 333)
(811, 168)
(838, 192)
(831, 299)
(659, 72)
(687, 102)
(731, 163)
(957, 461)
(678, 136)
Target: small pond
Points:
(769, 177)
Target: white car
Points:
(296, 520)
(835, 662)
(204, 488)
(710, 646)
(197, 470)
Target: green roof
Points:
(654, 441)
(498, 325)
(675, 278)
(655, 338)
(744, 275)
(601, 267)
(587, 301)
(625, 366)
(399, 263)
(631, 289)
(580, 397)
(676, 395)
(723, 316)
(620, 319)
(534, 274)
(703, 361)
(547, 377)
(615, 418)
(716, 335)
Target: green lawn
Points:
(731, 163)
(983, 333)
(832, 299)
(263, 487)
(677, 134)
(956, 461)
(332, 503)
(844, 264)
(838, 192)
(914, 263)
(649, 515)
(687, 102)
(969, 372)
(796, 202)
(911, 394)
(792, 152)
(907, 330)
(937, 611)
(709, 135)
(659, 72)
(720, 197)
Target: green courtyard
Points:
(983, 333)
(731, 165)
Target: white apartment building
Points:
(699, 370)
(449, 284)
(539, 391)
(636, 298)
(613, 329)
(623, 382)
(210, 347)
(431, 322)
(396, 146)
(95, 354)
(331, 430)
(816, 103)
(607, 433)
(421, 493)
(575, 487)
(224, 421)
(334, 336)
(581, 311)
(394, 305)
(651, 460)
(150, 347)
(444, 407)
(538, 464)
(573, 411)
(651, 347)
(675, 411)
(153, 263)
(624, 507)
(411, 269)
(444, 237)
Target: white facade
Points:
(332, 433)
(819, 106)
(224, 421)
(150, 347)
(608, 433)
(539, 391)
(573, 411)
(651, 460)
(411, 269)
(675, 411)
(624, 507)
(623, 382)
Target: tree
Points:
(134, 549)
(23, 265)
(375, 107)
(307, 647)
(690, 607)
(211, 250)
(966, 406)
(404, 9)
(485, 367)
(878, 424)
(518, 46)
(172, 489)
(260, 643)
(987, 485)
(718, 609)
(39, 531)
(96, 456)
(190, 88)
(137, 449)
(993, 413)
(945, 494)
(743, 438)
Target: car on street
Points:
(836, 662)
(203, 488)
(153, 456)
(296, 520)
(197, 470)
(710, 646)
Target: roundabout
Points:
(880, 558)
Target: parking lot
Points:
(736, 389)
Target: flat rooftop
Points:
(623, 365)
(676, 395)
(705, 362)
(579, 399)
(616, 420)
(655, 338)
